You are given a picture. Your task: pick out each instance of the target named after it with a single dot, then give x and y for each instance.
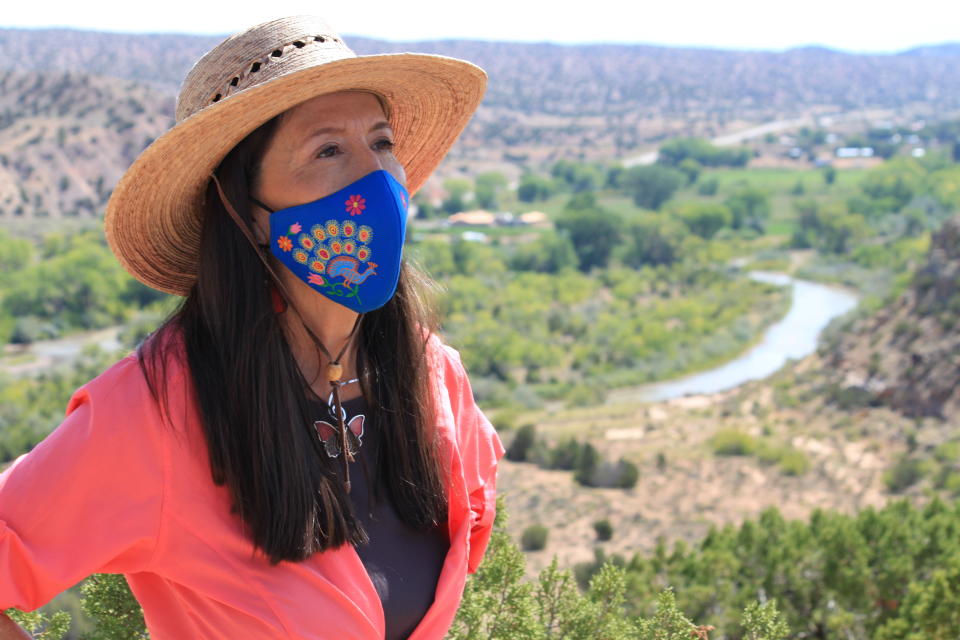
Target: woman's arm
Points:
(10, 630)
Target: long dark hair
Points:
(255, 403)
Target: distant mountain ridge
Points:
(947, 50)
(564, 79)
(106, 95)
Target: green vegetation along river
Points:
(813, 306)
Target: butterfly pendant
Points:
(329, 434)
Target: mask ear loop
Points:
(334, 369)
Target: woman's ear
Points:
(261, 224)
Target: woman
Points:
(294, 454)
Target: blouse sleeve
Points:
(480, 450)
(87, 499)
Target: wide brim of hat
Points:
(154, 216)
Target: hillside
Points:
(545, 101)
(66, 137)
(814, 435)
(907, 356)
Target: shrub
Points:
(794, 462)
(850, 397)
(708, 187)
(523, 442)
(565, 455)
(733, 442)
(905, 473)
(587, 464)
(603, 529)
(534, 538)
(628, 474)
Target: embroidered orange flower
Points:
(285, 243)
(315, 279)
(356, 205)
(294, 228)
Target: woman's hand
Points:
(10, 630)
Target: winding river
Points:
(795, 336)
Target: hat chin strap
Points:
(334, 369)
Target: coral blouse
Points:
(115, 489)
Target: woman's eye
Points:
(384, 144)
(328, 151)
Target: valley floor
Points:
(693, 487)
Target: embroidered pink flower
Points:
(315, 279)
(356, 205)
(285, 243)
(294, 228)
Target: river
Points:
(795, 336)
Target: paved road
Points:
(737, 137)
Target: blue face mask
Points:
(347, 245)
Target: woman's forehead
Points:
(340, 110)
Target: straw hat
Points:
(153, 218)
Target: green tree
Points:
(704, 218)
(690, 168)
(550, 253)
(896, 181)
(653, 241)
(593, 231)
(829, 175)
(523, 442)
(109, 602)
(457, 190)
(750, 208)
(533, 187)
(488, 188)
(651, 186)
(674, 152)
(577, 175)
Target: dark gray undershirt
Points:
(403, 564)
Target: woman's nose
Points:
(372, 160)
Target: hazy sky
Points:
(850, 25)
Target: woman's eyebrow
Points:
(383, 124)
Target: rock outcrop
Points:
(907, 356)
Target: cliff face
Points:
(907, 356)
